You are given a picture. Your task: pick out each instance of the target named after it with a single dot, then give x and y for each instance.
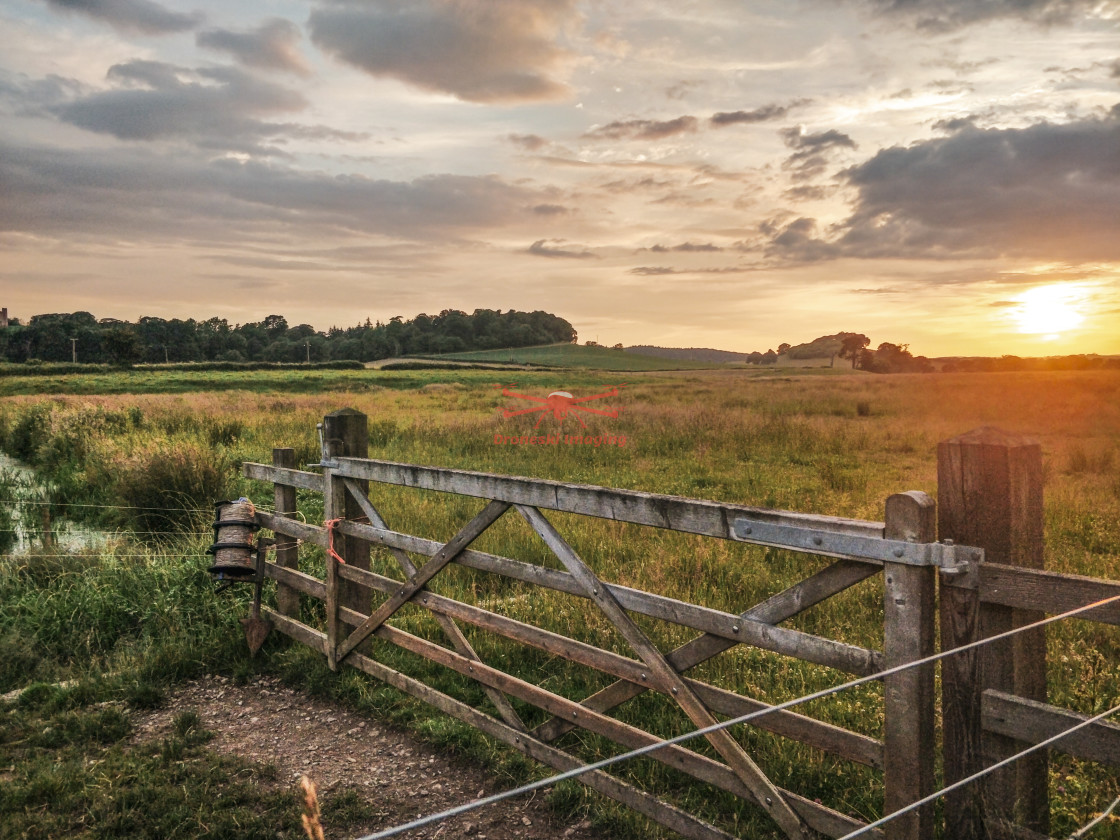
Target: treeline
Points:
(1017, 363)
(64, 337)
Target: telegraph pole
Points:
(74, 350)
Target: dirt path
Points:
(401, 778)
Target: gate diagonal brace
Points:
(946, 556)
(447, 624)
(471, 531)
(765, 792)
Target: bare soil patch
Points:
(400, 777)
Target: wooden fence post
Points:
(990, 496)
(287, 554)
(345, 434)
(908, 634)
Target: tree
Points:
(122, 345)
(852, 346)
(783, 348)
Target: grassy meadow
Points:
(145, 457)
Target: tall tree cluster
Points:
(63, 337)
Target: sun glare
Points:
(1048, 311)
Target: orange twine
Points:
(330, 525)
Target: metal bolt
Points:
(898, 552)
(734, 628)
(746, 530)
(674, 689)
(817, 541)
(769, 801)
(645, 676)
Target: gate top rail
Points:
(676, 513)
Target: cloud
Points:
(687, 247)
(528, 142)
(812, 152)
(135, 194)
(478, 50)
(131, 15)
(948, 15)
(798, 240)
(215, 108)
(549, 248)
(758, 115)
(1048, 191)
(274, 45)
(643, 129)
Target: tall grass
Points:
(834, 445)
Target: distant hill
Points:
(690, 354)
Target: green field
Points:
(576, 356)
(157, 452)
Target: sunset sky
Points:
(710, 173)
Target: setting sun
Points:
(1050, 310)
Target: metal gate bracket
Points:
(944, 555)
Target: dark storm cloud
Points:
(477, 50)
(812, 152)
(1045, 192)
(134, 194)
(945, 15)
(553, 248)
(644, 129)
(131, 15)
(758, 115)
(272, 46)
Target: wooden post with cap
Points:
(990, 496)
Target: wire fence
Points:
(788, 704)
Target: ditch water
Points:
(28, 520)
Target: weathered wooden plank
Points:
(296, 580)
(841, 742)
(483, 520)
(777, 608)
(450, 629)
(1032, 722)
(908, 627)
(1049, 592)
(690, 516)
(851, 659)
(287, 553)
(314, 639)
(282, 475)
(765, 792)
(315, 534)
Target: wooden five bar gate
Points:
(984, 576)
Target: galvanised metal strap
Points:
(946, 555)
